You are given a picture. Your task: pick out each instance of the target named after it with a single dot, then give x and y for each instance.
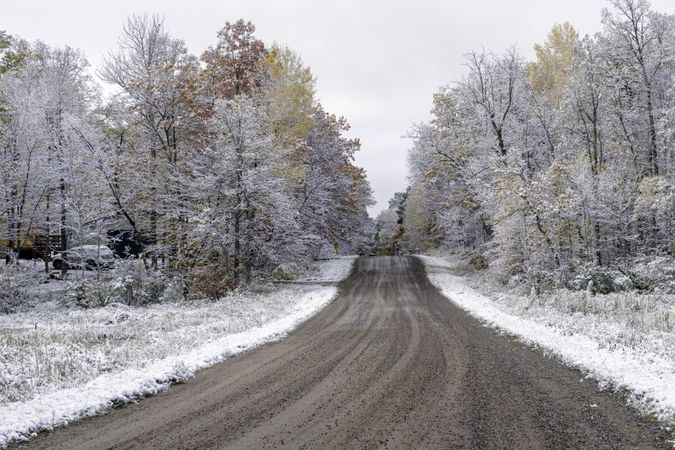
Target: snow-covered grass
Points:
(624, 340)
(61, 364)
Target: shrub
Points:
(478, 261)
(16, 282)
(11, 289)
(212, 281)
(600, 280)
(286, 272)
(135, 285)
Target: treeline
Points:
(215, 169)
(545, 169)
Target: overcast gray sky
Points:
(377, 62)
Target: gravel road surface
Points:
(390, 363)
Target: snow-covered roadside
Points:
(330, 270)
(127, 353)
(646, 369)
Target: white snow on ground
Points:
(60, 365)
(330, 270)
(645, 368)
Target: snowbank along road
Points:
(389, 363)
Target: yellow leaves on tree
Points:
(554, 60)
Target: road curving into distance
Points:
(390, 363)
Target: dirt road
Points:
(389, 364)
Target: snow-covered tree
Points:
(542, 168)
(43, 98)
(214, 172)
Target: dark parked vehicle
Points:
(87, 257)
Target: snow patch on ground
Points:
(328, 270)
(57, 366)
(646, 368)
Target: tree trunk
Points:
(64, 234)
(237, 247)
